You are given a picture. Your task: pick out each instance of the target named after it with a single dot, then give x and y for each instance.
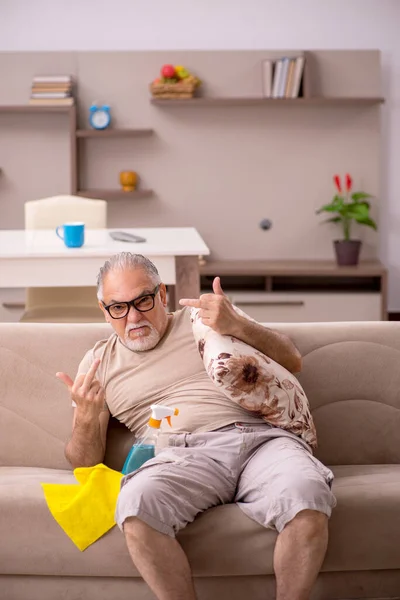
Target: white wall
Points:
(232, 24)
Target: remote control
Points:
(124, 236)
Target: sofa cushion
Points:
(364, 531)
(35, 406)
(366, 522)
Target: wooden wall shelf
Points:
(33, 108)
(115, 194)
(74, 135)
(314, 268)
(97, 134)
(268, 101)
(113, 133)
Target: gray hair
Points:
(124, 261)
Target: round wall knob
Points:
(265, 224)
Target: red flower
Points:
(349, 182)
(338, 184)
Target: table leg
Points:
(187, 278)
(171, 297)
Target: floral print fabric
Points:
(254, 381)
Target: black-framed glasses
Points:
(119, 310)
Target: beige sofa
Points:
(351, 374)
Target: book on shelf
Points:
(267, 78)
(52, 101)
(52, 79)
(52, 89)
(277, 78)
(50, 95)
(297, 76)
(282, 78)
(59, 87)
(289, 79)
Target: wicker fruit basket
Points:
(181, 89)
(176, 82)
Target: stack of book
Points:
(52, 90)
(282, 78)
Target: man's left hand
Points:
(215, 309)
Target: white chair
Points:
(63, 305)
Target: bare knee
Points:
(310, 524)
(134, 528)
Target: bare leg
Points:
(299, 552)
(160, 560)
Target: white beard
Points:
(143, 341)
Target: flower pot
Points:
(347, 252)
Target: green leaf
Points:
(357, 210)
(338, 201)
(327, 208)
(357, 196)
(334, 206)
(367, 221)
(333, 220)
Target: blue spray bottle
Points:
(144, 448)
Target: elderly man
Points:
(217, 453)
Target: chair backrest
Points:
(48, 213)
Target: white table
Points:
(38, 258)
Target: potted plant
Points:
(348, 207)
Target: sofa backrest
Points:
(350, 374)
(35, 408)
(352, 379)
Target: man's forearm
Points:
(276, 345)
(85, 447)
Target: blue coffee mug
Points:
(73, 234)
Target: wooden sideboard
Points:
(302, 291)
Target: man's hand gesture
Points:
(215, 309)
(86, 391)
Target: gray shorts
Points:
(269, 473)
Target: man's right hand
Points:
(86, 391)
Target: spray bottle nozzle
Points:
(160, 412)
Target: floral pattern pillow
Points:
(254, 381)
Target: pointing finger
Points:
(190, 302)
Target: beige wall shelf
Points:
(74, 134)
(76, 161)
(33, 108)
(372, 268)
(115, 194)
(311, 101)
(112, 133)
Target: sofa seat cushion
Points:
(365, 525)
(32, 542)
(364, 531)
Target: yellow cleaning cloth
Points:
(85, 511)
